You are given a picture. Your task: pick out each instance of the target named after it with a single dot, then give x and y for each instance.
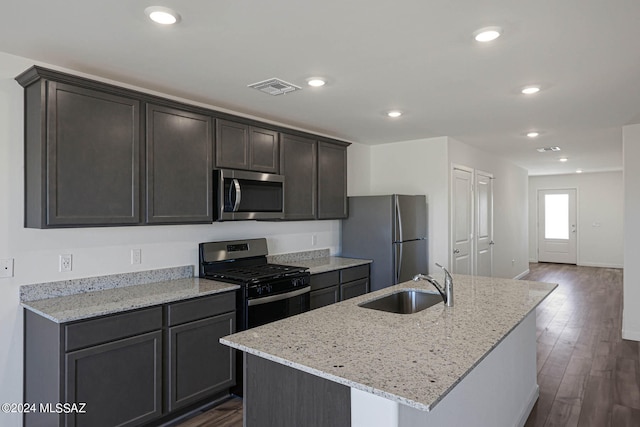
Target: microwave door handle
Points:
(236, 185)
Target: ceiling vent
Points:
(275, 87)
(546, 149)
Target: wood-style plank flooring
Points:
(588, 375)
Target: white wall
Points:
(417, 167)
(96, 251)
(600, 213)
(359, 170)
(631, 292)
(510, 224)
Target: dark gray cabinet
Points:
(325, 289)
(299, 167)
(199, 366)
(129, 368)
(354, 281)
(92, 158)
(332, 180)
(338, 285)
(120, 382)
(179, 149)
(82, 157)
(240, 146)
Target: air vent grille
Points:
(275, 87)
(547, 149)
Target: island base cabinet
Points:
(120, 382)
(279, 396)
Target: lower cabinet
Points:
(339, 285)
(120, 382)
(130, 368)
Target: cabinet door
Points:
(120, 382)
(299, 167)
(199, 365)
(93, 157)
(325, 296)
(232, 145)
(179, 165)
(264, 153)
(332, 181)
(354, 289)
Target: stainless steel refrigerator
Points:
(390, 230)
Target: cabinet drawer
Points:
(199, 308)
(324, 280)
(354, 289)
(111, 328)
(324, 297)
(354, 273)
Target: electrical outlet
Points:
(65, 263)
(136, 256)
(314, 239)
(6, 267)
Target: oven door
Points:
(262, 310)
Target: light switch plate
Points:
(6, 267)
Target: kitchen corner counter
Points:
(86, 305)
(317, 262)
(414, 359)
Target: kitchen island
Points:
(471, 364)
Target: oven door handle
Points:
(279, 297)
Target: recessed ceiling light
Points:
(533, 134)
(530, 90)
(578, 170)
(487, 34)
(162, 15)
(394, 113)
(564, 159)
(316, 82)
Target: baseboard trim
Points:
(533, 260)
(630, 335)
(521, 275)
(527, 410)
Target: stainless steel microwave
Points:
(242, 195)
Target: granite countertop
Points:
(98, 303)
(318, 261)
(414, 359)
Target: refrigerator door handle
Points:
(399, 237)
(398, 262)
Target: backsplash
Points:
(298, 256)
(40, 291)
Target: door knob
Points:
(456, 251)
(491, 243)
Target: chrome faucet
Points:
(447, 291)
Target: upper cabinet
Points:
(179, 146)
(332, 180)
(240, 146)
(299, 167)
(97, 154)
(82, 156)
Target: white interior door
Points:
(483, 265)
(461, 221)
(557, 226)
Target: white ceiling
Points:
(414, 55)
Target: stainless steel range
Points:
(268, 292)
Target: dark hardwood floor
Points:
(588, 375)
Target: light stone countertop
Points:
(330, 263)
(414, 359)
(317, 261)
(98, 303)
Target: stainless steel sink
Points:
(404, 302)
